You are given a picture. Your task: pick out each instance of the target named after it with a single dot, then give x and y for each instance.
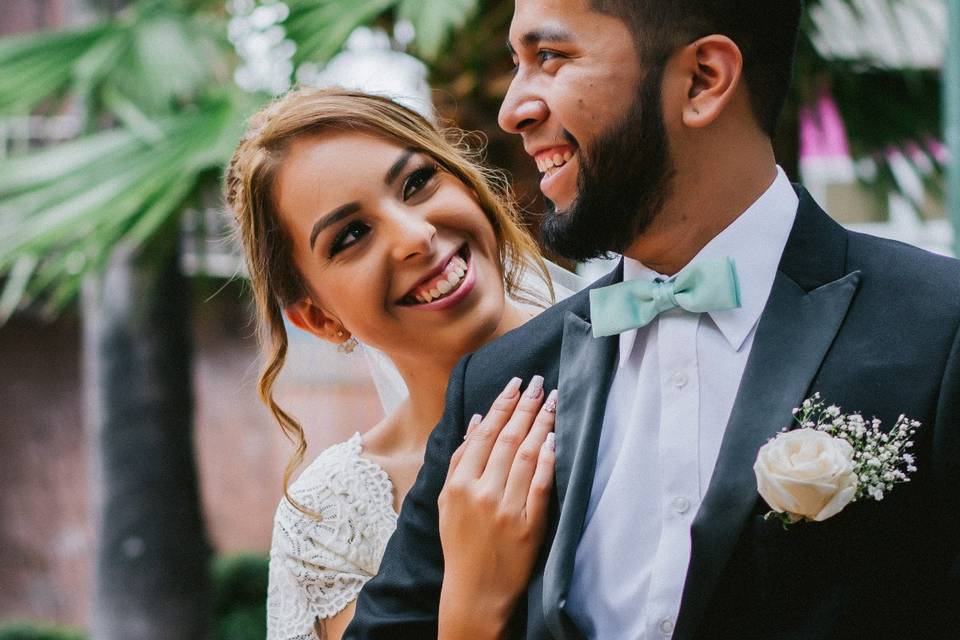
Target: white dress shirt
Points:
(669, 403)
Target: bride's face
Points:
(392, 248)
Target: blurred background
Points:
(140, 472)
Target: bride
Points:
(361, 221)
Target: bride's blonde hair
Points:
(248, 191)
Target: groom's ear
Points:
(306, 315)
(713, 68)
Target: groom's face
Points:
(577, 74)
(591, 119)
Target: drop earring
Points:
(348, 345)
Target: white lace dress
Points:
(317, 567)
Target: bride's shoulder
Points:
(340, 473)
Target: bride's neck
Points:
(426, 382)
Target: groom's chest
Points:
(669, 402)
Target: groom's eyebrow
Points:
(550, 33)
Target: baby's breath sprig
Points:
(881, 458)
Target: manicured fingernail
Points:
(550, 406)
(512, 388)
(535, 387)
(474, 421)
(551, 441)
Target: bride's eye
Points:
(417, 180)
(348, 236)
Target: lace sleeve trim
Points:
(319, 565)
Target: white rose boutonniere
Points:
(812, 473)
(806, 474)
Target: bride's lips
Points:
(458, 292)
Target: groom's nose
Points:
(520, 110)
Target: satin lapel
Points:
(586, 370)
(795, 332)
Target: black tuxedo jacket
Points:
(873, 326)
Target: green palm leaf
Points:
(434, 22)
(107, 187)
(321, 27)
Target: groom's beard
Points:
(622, 185)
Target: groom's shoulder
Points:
(541, 331)
(901, 268)
(537, 342)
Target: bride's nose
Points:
(412, 234)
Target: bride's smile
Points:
(445, 286)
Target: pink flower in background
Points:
(822, 132)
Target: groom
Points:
(652, 121)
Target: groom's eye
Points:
(546, 55)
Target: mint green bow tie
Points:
(710, 285)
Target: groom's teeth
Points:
(545, 164)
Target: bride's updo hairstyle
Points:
(248, 190)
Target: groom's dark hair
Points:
(764, 30)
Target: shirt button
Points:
(666, 626)
(680, 504)
(679, 380)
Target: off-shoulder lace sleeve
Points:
(318, 565)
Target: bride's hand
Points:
(493, 510)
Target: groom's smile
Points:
(559, 165)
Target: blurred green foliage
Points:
(240, 596)
(21, 630)
(240, 603)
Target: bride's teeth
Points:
(447, 282)
(557, 160)
(567, 155)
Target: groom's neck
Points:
(708, 192)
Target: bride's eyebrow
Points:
(332, 218)
(347, 210)
(397, 167)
